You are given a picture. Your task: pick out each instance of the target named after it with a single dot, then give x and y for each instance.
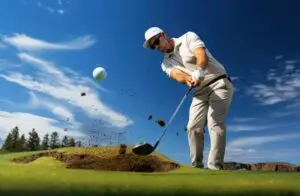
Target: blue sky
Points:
(48, 50)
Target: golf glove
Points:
(198, 74)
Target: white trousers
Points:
(209, 107)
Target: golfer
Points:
(188, 61)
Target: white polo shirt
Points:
(184, 59)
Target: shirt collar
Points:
(177, 43)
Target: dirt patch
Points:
(281, 167)
(160, 122)
(122, 162)
(275, 167)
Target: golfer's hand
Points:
(195, 83)
(190, 82)
(197, 76)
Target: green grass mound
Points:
(47, 175)
(105, 158)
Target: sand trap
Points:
(124, 162)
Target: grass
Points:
(47, 176)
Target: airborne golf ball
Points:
(99, 73)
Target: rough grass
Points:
(47, 176)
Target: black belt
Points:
(216, 79)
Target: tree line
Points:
(15, 142)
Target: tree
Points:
(21, 143)
(45, 142)
(54, 140)
(78, 143)
(71, 142)
(64, 142)
(7, 143)
(15, 138)
(33, 141)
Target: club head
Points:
(143, 149)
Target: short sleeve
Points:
(167, 68)
(194, 41)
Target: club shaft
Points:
(173, 116)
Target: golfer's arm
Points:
(179, 76)
(201, 56)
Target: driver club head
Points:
(146, 148)
(143, 149)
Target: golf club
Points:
(146, 148)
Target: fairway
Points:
(47, 176)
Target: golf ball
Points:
(99, 73)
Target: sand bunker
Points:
(123, 162)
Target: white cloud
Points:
(50, 80)
(49, 9)
(83, 80)
(285, 85)
(61, 11)
(237, 128)
(262, 155)
(240, 119)
(62, 112)
(40, 64)
(26, 43)
(259, 124)
(278, 57)
(239, 154)
(251, 150)
(26, 122)
(246, 142)
(4, 64)
(291, 61)
(56, 7)
(235, 89)
(234, 78)
(283, 113)
(36, 102)
(290, 67)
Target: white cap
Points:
(151, 32)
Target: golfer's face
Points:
(160, 43)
